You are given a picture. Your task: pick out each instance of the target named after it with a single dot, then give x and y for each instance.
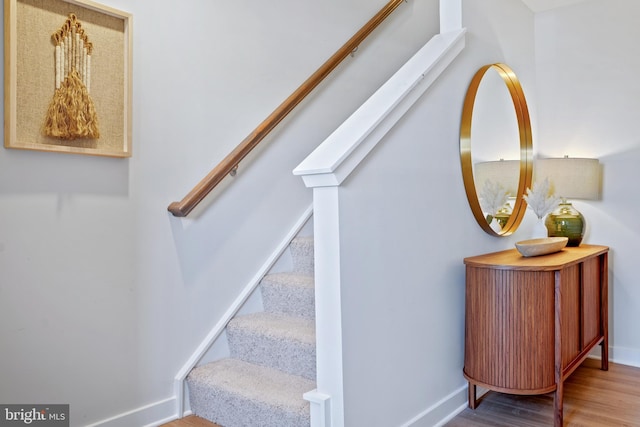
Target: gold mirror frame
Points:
(526, 148)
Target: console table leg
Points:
(604, 310)
(558, 405)
(472, 396)
(557, 397)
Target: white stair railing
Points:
(329, 165)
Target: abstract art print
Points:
(67, 77)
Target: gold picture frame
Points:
(98, 41)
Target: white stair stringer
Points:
(272, 355)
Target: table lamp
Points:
(570, 178)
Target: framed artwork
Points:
(67, 77)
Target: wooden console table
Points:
(530, 322)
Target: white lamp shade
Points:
(570, 178)
(504, 172)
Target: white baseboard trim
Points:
(625, 356)
(163, 411)
(441, 412)
(151, 415)
(620, 355)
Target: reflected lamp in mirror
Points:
(570, 178)
(504, 172)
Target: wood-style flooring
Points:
(190, 421)
(592, 398)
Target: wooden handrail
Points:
(229, 164)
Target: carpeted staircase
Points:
(273, 355)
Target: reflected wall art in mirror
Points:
(496, 149)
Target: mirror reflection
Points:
(495, 144)
(496, 185)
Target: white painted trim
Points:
(442, 411)
(334, 160)
(328, 301)
(325, 169)
(625, 356)
(320, 407)
(450, 16)
(146, 416)
(214, 333)
(620, 355)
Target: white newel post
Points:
(327, 404)
(328, 166)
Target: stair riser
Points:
(293, 357)
(230, 410)
(301, 250)
(290, 301)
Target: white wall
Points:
(104, 295)
(406, 227)
(589, 104)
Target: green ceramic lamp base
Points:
(566, 221)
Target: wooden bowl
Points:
(546, 245)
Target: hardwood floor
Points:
(190, 421)
(592, 398)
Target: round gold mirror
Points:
(495, 186)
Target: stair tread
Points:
(277, 326)
(253, 382)
(290, 278)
